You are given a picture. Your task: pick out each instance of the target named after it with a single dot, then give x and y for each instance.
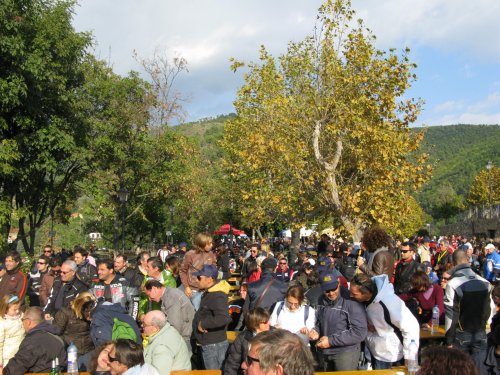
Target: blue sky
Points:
(455, 44)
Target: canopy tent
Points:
(226, 228)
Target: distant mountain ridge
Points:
(458, 152)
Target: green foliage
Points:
(485, 183)
(43, 137)
(458, 153)
(320, 131)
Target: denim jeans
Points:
(214, 354)
(342, 361)
(380, 365)
(474, 344)
(196, 299)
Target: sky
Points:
(455, 44)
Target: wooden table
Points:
(429, 335)
(392, 371)
(231, 336)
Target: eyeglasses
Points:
(41, 263)
(293, 304)
(283, 263)
(330, 291)
(65, 272)
(249, 360)
(405, 251)
(112, 359)
(47, 251)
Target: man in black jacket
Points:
(405, 268)
(85, 271)
(65, 289)
(38, 348)
(212, 318)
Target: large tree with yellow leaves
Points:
(322, 131)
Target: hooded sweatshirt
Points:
(384, 343)
(213, 314)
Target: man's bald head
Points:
(156, 318)
(460, 257)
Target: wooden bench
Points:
(392, 371)
(196, 372)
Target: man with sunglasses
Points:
(278, 352)
(38, 348)
(340, 327)
(283, 273)
(65, 289)
(36, 276)
(254, 253)
(405, 268)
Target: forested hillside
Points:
(457, 152)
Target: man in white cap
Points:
(492, 263)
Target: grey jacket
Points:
(167, 352)
(179, 311)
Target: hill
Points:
(458, 152)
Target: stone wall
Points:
(476, 227)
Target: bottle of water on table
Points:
(435, 319)
(412, 361)
(72, 360)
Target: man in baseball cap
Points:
(212, 318)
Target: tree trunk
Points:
(295, 245)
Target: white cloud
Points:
(208, 33)
(486, 111)
(449, 106)
(458, 25)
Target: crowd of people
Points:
(330, 306)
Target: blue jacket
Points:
(491, 263)
(101, 326)
(343, 321)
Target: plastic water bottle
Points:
(412, 358)
(72, 359)
(435, 319)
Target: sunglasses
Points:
(64, 272)
(41, 263)
(47, 251)
(112, 359)
(282, 262)
(249, 360)
(330, 291)
(405, 251)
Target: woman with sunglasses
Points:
(256, 321)
(11, 328)
(48, 279)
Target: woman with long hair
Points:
(74, 328)
(11, 327)
(194, 260)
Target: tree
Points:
(156, 168)
(479, 193)
(321, 130)
(163, 73)
(446, 203)
(43, 137)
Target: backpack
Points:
(122, 330)
(306, 311)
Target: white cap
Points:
(489, 246)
